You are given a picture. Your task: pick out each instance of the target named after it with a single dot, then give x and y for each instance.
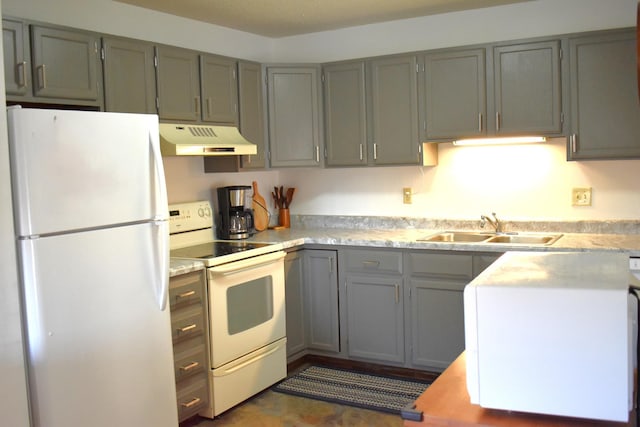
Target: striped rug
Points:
(380, 393)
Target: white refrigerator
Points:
(90, 211)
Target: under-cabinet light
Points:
(501, 141)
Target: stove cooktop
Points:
(222, 251)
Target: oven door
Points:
(246, 303)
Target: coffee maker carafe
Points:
(234, 221)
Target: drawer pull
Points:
(187, 294)
(190, 366)
(192, 402)
(371, 264)
(187, 328)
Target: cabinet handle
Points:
(375, 151)
(192, 402)
(197, 101)
(397, 293)
(187, 294)
(187, 328)
(497, 121)
(190, 366)
(22, 74)
(330, 266)
(317, 154)
(208, 107)
(360, 152)
(479, 122)
(371, 264)
(574, 143)
(42, 76)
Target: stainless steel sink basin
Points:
(457, 236)
(525, 239)
(477, 237)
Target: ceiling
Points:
(281, 18)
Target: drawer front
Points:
(192, 397)
(187, 324)
(370, 261)
(441, 265)
(186, 289)
(190, 362)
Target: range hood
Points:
(203, 140)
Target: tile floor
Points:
(271, 409)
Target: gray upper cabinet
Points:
(345, 114)
(17, 71)
(219, 89)
(129, 76)
(527, 90)
(321, 300)
(454, 94)
(178, 83)
(394, 111)
(250, 99)
(294, 116)
(605, 113)
(65, 64)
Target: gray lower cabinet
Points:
(251, 102)
(189, 327)
(375, 305)
(219, 89)
(77, 76)
(294, 302)
(129, 76)
(345, 114)
(394, 111)
(294, 116)
(321, 300)
(604, 97)
(178, 83)
(527, 91)
(17, 69)
(454, 94)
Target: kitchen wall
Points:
(517, 182)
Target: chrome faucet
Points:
(495, 222)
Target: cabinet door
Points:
(294, 121)
(17, 75)
(605, 111)
(294, 302)
(375, 318)
(129, 76)
(178, 84)
(437, 322)
(527, 89)
(394, 111)
(321, 300)
(454, 94)
(345, 114)
(65, 63)
(252, 125)
(219, 86)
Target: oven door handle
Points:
(246, 264)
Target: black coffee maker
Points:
(234, 221)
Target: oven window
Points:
(249, 304)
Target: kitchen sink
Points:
(457, 236)
(491, 238)
(525, 239)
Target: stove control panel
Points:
(190, 216)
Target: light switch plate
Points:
(581, 196)
(407, 192)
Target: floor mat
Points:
(380, 393)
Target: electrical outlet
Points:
(581, 197)
(407, 192)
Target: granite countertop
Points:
(184, 266)
(407, 239)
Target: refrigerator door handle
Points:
(162, 247)
(160, 191)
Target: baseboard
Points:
(374, 368)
